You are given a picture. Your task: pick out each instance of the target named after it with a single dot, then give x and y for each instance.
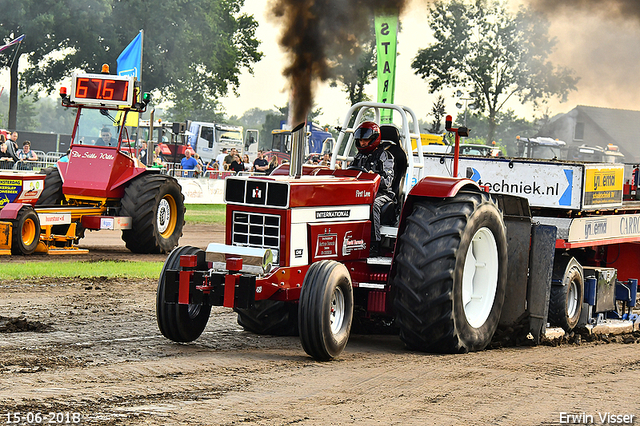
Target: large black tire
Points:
(567, 294)
(325, 310)
(52, 192)
(25, 231)
(180, 323)
(156, 205)
(269, 317)
(451, 274)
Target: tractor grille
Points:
(257, 230)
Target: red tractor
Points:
(99, 185)
(457, 264)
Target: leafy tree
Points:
(193, 50)
(438, 112)
(49, 26)
(495, 54)
(508, 126)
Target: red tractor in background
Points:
(99, 186)
(458, 264)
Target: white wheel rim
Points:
(164, 215)
(480, 277)
(336, 316)
(572, 299)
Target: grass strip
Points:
(81, 269)
(205, 213)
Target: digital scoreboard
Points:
(102, 89)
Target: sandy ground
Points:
(92, 347)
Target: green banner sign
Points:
(386, 25)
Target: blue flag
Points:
(130, 58)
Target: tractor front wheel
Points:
(325, 311)
(180, 323)
(156, 206)
(25, 232)
(451, 274)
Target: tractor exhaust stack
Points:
(298, 140)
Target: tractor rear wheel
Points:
(52, 192)
(180, 323)
(325, 310)
(565, 300)
(270, 317)
(25, 231)
(156, 206)
(451, 274)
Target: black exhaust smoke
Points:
(613, 8)
(315, 33)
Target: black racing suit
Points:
(380, 161)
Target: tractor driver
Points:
(375, 158)
(106, 139)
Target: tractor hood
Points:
(324, 187)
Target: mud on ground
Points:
(92, 347)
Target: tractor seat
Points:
(390, 136)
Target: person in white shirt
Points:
(220, 158)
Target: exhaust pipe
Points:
(298, 141)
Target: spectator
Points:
(65, 157)
(189, 148)
(189, 163)
(247, 163)
(199, 160)
(220, 158)
(231, 156)
(6, 159)
(236, 165)
(260, 165)
(12, 145)
(27, 153)
(213, 164)
(143, 153)
(158, 161)
(273, 164)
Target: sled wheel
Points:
(565, 301)
(156, 206)
(270, 317)
(25, 232)
(325, 311)
(451, 274)
(180, 323)
(52, 193)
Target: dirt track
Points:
(94, 348)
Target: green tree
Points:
(508, 126)
(438, 112)
(194, 50)
(483, 47)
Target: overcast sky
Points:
(602, 50)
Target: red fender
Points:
(442, 187)
(10, 210)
